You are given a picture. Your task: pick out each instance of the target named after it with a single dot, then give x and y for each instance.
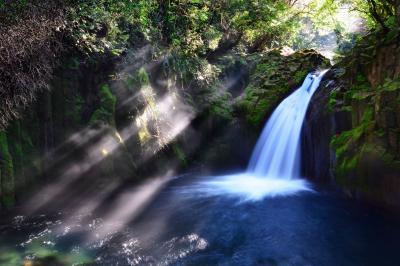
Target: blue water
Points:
(180, 228)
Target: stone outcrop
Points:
(351, 135)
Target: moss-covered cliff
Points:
(362, 96)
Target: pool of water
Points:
(180, 226)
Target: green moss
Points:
(106, 110)
(143, 76)
(300, 75)
(7, 173)
(107, 99)
(180, 154)
(272, 79)
(344, 168)
(390, 85)
(221, 106)
(258, 102)
(266, 69)
(359, 91)
(349, 146)
(371, 145)
(137, 80)
(353, 170)
(356, 147)
(332, 100)
(259, 112)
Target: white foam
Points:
(249, 187)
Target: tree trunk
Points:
(374, 12)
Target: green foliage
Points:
(194, 27)
(359, 91)
(373, 140)
(107, 25)
(321, 26)
(349, 139)
(332, 101)
(137, 80)
(188, 68)
(379, 14)
(257, 115)
(221, 105)
(272, 79)
(191, 26)
(300, 75)
(143, 77)
(262, 19)
(351, 145)
(362, 141)
(106, 110)
(390, 85)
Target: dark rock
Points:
(320, 125)
(351, 132)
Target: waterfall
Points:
(274, 167)
(277, 152)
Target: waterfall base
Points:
(248, 187)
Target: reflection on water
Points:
(182, 227)
(46, 239)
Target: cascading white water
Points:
(274, 167)
(277, 154)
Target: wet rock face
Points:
(317, 131)
(364, 166)
(320, 125)
(386, 64)
(351, 133)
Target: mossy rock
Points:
(273, 77)
(105, 112)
